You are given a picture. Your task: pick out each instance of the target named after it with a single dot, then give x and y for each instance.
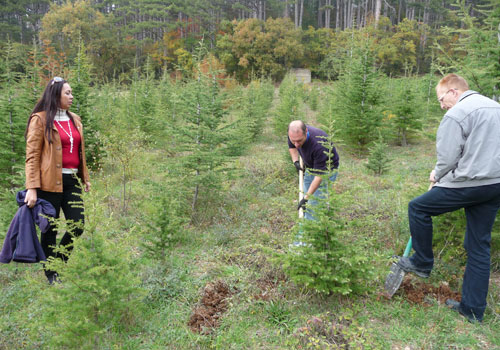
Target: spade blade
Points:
(394, 279)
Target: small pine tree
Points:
(99, 296)
(165, 227)
(331, 261)
(378, 160)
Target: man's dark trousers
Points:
(481, 205)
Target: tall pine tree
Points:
(358, 97)
(13, 116)
(202, 136)
(407, 115)
(81, 80)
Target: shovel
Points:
(301, 186)
(396, 275)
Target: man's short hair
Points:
(453, 81)
(297, 125)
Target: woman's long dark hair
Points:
(50, 104)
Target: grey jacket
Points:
(468, 143)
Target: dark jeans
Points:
(74, 212)
(481, 205)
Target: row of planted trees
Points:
(363, 104)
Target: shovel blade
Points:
(394, 279)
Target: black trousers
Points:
(70, 201)
(481, 205)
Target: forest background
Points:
(185, 106)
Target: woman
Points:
(55, 159)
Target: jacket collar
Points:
(467, 94)
(43, 115)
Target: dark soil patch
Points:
(425, 294)
(206, 315)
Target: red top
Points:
(69, 160)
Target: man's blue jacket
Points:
(21, 243)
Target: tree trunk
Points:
(404, 142)
(346, 12)
(426, 12)
(328, 13)
(296, 13)
(337, 16)
(358, 16)
(351, 14)
(286, 12)
(301, 14)
(12, 136)
(365, 20)
(401, 2)
(320, 15)
(196, 190)
(195, 197)
(378, 7)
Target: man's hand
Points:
(297, 166)
(432, 176)
(302, 204)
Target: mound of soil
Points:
(425, 294)
(206, 315)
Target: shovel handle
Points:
(301, 186)
(408, 248)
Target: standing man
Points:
(466, 175)
(308, 142)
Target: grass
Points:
(233, 242)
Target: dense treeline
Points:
(264, 37)
(150, 19)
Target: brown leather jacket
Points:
(44, 159)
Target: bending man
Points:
(308, 142)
